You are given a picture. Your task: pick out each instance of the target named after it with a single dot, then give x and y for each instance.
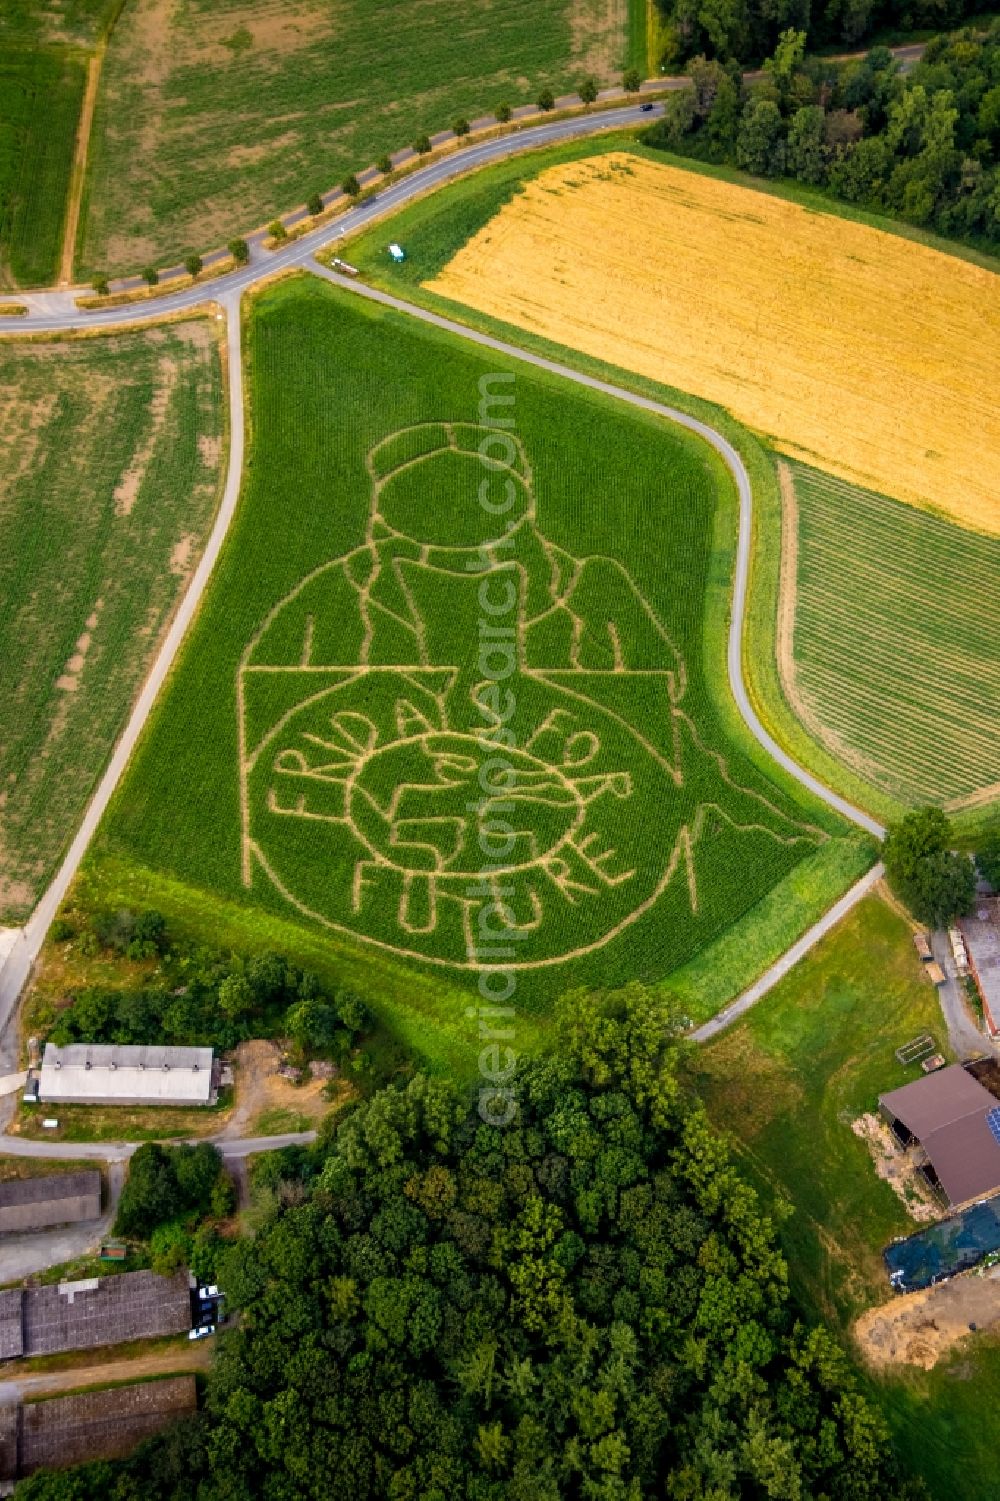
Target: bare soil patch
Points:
(897, 1168)
(261, 1090)
(919, 1328)
(596, 29)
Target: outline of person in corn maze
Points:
(394, 772)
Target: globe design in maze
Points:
(441, 750)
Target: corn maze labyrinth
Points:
(459, 771)
(451, 711)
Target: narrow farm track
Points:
(80, 165)
(56, 312)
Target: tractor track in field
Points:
(55, 312)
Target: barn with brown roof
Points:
(59, 1199)
(956, 1121)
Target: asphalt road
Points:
(121, 1151)
(55, 312)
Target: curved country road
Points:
(56, 312)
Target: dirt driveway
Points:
(261, 1092)
(193, 1356)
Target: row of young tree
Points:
(202, 996)
(586, 1303)
(923, 146)
(748, 30)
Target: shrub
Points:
(193, 265)
(315, 204)
(422, 145)
(503, 113)
(62, 930)
(350, 185)
(277, 230)
(164, 1182)
(384, 164)
(461, 126)
(101, 286)
(137, 936)
(240, 251)
(546, 100)
(150, 275)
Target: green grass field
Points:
(112, 446)
(41, 90)
(334, 682)
(896, 659)
(215, 116)
(786, 1084)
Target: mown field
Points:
(218, 114)
(334, 679)
(112, 453)
(858, 351)
(41, 90)
(786, 1084)
(888, 650)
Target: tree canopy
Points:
(935, 882)
(923, 146)
(586, 1303)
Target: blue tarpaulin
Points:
(942, 1250)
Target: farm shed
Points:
(982, 946)
(62, 1199)
(956, 1122)
(99, 1425)
(11, 1327)
(98, 1311)
(89, 1425)
(102, 1074)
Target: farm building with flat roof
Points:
(98, 1311)
(61, 1199)
(956, 1120)
(103, 1074)
(88, 1425)
(982, 946)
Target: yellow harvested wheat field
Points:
(863, 353)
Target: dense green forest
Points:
(585, 1303)
(749, 29)
(924, 146)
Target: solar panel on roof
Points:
(993, 1121)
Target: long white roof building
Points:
(103, 1074)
